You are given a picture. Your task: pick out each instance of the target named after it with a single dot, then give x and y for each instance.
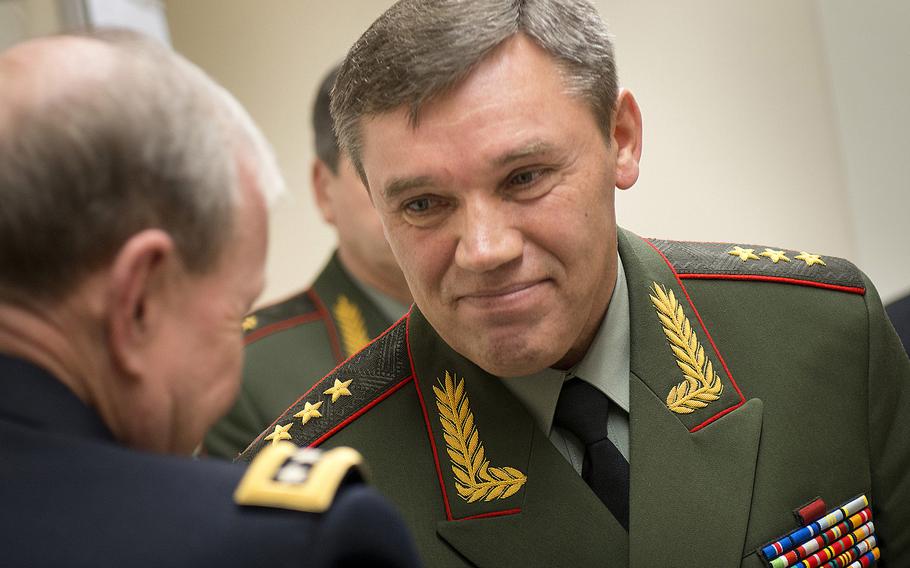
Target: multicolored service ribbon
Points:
(841, 536)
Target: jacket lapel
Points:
(525, 490)
(691, 470)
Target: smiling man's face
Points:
(499, 208)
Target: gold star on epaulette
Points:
(249, 323)
(743, 254)
(309, 411)
(280, 433)
(810, 259)
(339, 389)
(775, 255)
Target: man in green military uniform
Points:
(564, 392)
(358, 294)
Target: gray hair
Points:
(155, 144)
(419, 49)
(326, 141)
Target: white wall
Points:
(744, 140)
(22, 19)
(868, 49)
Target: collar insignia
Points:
(351, 325)
(701, 385)
(300, 479)
(475, 478)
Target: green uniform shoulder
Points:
(731, 261)
(352, 388)
(296, 310)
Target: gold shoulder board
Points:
(301, 479)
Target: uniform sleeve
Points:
(889, 430)
(363, 529)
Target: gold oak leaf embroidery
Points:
(701, 385)
(475, 479)
(351, 325)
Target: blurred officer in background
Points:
(132, 241)
(358, 294)
(899, 312)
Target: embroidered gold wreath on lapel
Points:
(351, 326)
(475, 479)
(701, 385)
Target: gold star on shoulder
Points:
(339, 389)
(743, 254)
(810, 259)
(309, 411)
(280, 433)
(775, 255)
(249, 323)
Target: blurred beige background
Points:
(780, 122)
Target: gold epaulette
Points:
(300, 479)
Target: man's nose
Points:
(489, 237)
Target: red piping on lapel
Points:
(279, 326)
(742, 399)
(359, 413)
(426, 419)
(779, 279)
(329, 324)
(320, 381)
(488, 515)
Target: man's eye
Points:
(525, 177)
(419, 205)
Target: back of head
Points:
(419, 49)
(147, 140)
(323, 128)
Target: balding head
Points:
(102, 136)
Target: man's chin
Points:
(498, 358)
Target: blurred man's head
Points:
(345, 203)
(133, 229)
(492, 135)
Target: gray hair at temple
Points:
(154, 144)
(323, 128)
(418, 49)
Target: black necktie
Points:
(583, 411)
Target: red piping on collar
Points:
(329, 324)
(426, 419)
(778, 279)
(280, 326)
(742, 399)
(488, 515)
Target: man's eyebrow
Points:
(531, 149)
(400, 185)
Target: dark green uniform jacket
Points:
(797, 388)
(291, 343)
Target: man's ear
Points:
(139, 290)
(627, 137)
(322, 179)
